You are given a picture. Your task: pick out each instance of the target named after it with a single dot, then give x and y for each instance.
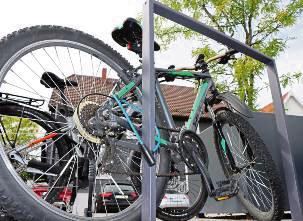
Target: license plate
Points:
(121, 197)
(175, 200)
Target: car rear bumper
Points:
(112, 206)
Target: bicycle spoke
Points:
(45, 71)
(233, 150)
(34, 119)
(125, 154)
(60, 175)
(72, 63)
(39, 77)
(57, 161)
(65, 76)
(260, 189)
(126, 171)
(110, 184)
(69, 178)
(251, 189)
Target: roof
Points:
(269, 108)
(296, 92)
(180, 99)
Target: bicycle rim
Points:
(21, 75)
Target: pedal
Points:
(226, 190)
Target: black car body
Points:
(115, 197)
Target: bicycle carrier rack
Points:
(6, 97)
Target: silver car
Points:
(174, 200)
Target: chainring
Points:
(189, 144)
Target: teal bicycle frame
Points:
(196, 111)
(206, 84)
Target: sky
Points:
(99, 17)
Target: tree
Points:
(18, 132)
(21, 130)
(257, 23)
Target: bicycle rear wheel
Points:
(75, 57)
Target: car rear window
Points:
(171, 191)
(114, 188)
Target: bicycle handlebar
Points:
(227, 54)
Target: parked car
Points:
(115, 197)
(174, 200)
(63, 198)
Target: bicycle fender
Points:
(236, 103)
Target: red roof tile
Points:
(269, 108)
(180, 99)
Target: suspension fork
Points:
(223, 146)
(225, 189)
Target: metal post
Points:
(295, 196)
(148, 88)
(294, 193)
(151, 6)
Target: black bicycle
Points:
(69, 133)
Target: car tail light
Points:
(134, 195)
(40, 190)
(106, 195)
(65, 195)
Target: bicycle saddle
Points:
(130, 35)
(50, 80)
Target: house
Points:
(293, 102)
(180, 99)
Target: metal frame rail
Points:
(151, 7)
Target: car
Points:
(63, 197)
(173, 200)
(114, 197)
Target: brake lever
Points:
(200, 63)
(224, 60)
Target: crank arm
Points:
(205, 174)
(226, 188)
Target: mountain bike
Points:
(65, 126)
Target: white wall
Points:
(292, 107)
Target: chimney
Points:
(104, 73)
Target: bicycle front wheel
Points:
(82, 61)
(245, 158)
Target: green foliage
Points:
(25, 129)
(18, 132)
(290, 78)
(257, 23)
